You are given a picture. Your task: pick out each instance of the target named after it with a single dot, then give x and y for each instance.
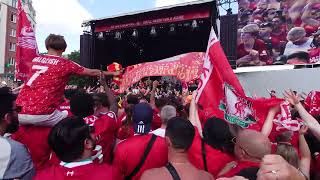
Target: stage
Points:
(156, 34)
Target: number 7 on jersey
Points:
(40, 70)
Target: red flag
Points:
(27, 47)
(312, 103)
(220, 93)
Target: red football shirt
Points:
(314, 55)
(281, 36)
(65, 106)
(105, 132)
(86, 172)
(129, 153)
(317, 164)
(274, 133)
(125, 132)
(312, 103)
(156, 121)
(240, 166)
(36, 140)
(121, 118)
(216, 160)
(44, 89)
(259, 46)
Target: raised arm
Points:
(295, 10)
(305, 153)
(110, 95)
(309, 120)
(147, 92)
(307, 17)
(153, 94)
(16, 90)
(268, 124)
(193, 114)
(96, 72)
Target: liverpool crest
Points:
(237, 110)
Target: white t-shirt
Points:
(292, 48)
(159, 132)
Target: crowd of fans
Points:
(278, 32)
(152, 131)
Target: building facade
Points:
(8, 23)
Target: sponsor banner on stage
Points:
(161, 18)
(185, 67)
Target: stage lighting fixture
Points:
(194, 24)
(172, 29)
(101, 36)
(135, 33)
(118, 35)
(153, 32)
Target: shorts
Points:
(42, 120)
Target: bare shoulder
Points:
(203, 175)
(154, 174)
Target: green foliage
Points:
(80, 81)
(74, 56)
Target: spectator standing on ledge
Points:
(297, 41)
(252, 51)
(179, 137)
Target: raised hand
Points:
(155, 84)
(303, 129)
(117, 73)
(291, 97)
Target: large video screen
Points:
(274, 32)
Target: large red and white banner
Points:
(185, 67)
(220, 93)
(27, 47)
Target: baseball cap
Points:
(142, 116)
(265, 24)
(250, 28)
(295, 34)
(317, 33)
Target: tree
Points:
(75, 79)
(74, 56)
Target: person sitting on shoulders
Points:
(42, 93)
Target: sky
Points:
(64, 17)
